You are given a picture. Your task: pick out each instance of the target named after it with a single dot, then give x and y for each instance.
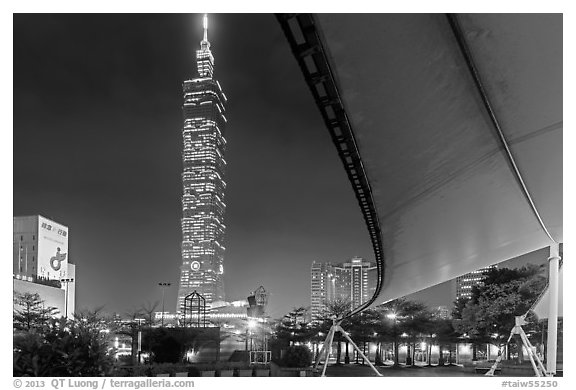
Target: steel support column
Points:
(552, 346)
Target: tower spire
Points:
(205, 23)
(204, 58)
(205, 45)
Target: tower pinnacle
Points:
(205, 45)
(204, 58)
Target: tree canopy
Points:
(489, 315)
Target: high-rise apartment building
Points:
(362, 280)
(465, 282)
(321, 286)
(354, 280)
(203, 182)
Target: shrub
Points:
(297, 356)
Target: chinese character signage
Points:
(52, 249)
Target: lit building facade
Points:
(465, 282)
(203, 182)
(362, 280)
(41, 264)
(321, 290)
(354, 280)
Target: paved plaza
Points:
(358, 370)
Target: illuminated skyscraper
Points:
(203, 182)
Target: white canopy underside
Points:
(446, 195)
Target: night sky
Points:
(97, 147)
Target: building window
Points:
(21, 238)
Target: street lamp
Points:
(66, 281)
(163, 286)
(139, 320)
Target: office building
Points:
(465, 282)
(41, 263)
(203, 182)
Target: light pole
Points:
(163, 286)
(139, 320)
(66, 281)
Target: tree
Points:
(77, 347)
(489, 316)
(405, 316)
(458, 306)
(334, 309)
(293, 327)
(384, 330)
(30, 313)
(415, 325)
(362, 327)
(445, 334)
(297, 356)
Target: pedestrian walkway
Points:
(358, 370)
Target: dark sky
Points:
(97, 147)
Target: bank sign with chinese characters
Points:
(52, 249)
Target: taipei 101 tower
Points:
(203, 182)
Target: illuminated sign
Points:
(195, 266)
(52, 249)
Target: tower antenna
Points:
(205, 23)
